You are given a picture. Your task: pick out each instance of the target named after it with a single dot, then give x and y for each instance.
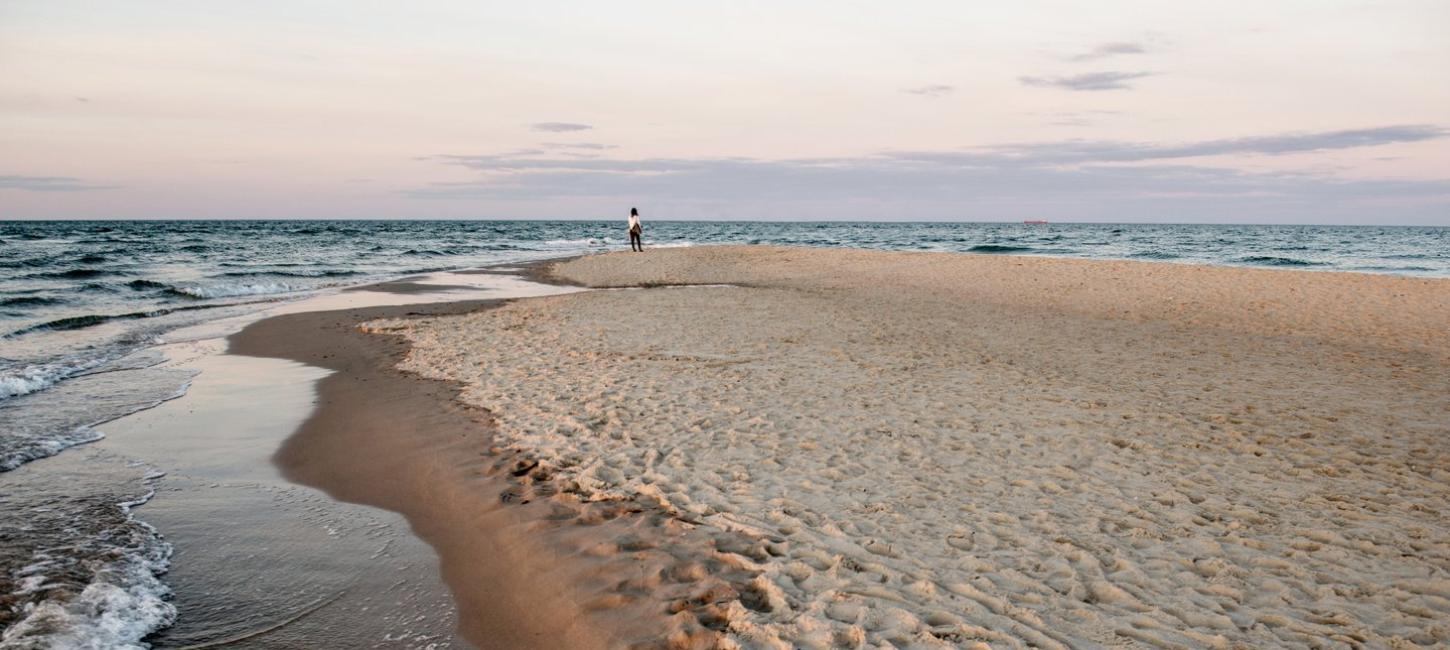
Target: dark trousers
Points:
(635, 243)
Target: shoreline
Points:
(398, 433)
(220, 505)
(384, 438)
(529, 565)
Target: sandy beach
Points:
(843, 448)
(724, 326)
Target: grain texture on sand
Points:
(896, 449)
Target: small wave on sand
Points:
(41, 423)
(103, 591)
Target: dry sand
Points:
(871, 449)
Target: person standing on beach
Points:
(635, 243)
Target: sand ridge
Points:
(928, 450)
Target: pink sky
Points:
(1291, 111)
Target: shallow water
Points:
(256, 560)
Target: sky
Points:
(1290, 111)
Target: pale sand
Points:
(892, 449)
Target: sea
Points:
(84, 304)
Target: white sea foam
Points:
(32, 378)
(233, 290)
(124, 601)
(28, 380)
(31, 448)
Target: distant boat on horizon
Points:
(1034, 222)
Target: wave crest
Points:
(22, 381)
(998, 248)
(1271, 260)
(232, 290)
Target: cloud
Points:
(1109, 80)
(1088, 151)
(931, 91)
(560, 127)
(1106, 50)
(49, 184)
(1300, 142)
(1059, 153)
(1084, 179)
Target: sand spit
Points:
(869, 449)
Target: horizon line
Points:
(1048, 222)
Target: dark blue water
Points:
(82, 304)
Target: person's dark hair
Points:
(634, 212)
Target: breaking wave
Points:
(204, 292)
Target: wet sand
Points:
(382, 439)
(394, 441)
(855, 448)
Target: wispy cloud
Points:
(1106, 50)
(1092, 180)
(560, 127)
(1059, 153)
(931, 91)
(1106, 151)
(1090, 177)
(49, 184)
(1108, 80)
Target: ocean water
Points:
(82, 304)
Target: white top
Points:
(633, 221)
